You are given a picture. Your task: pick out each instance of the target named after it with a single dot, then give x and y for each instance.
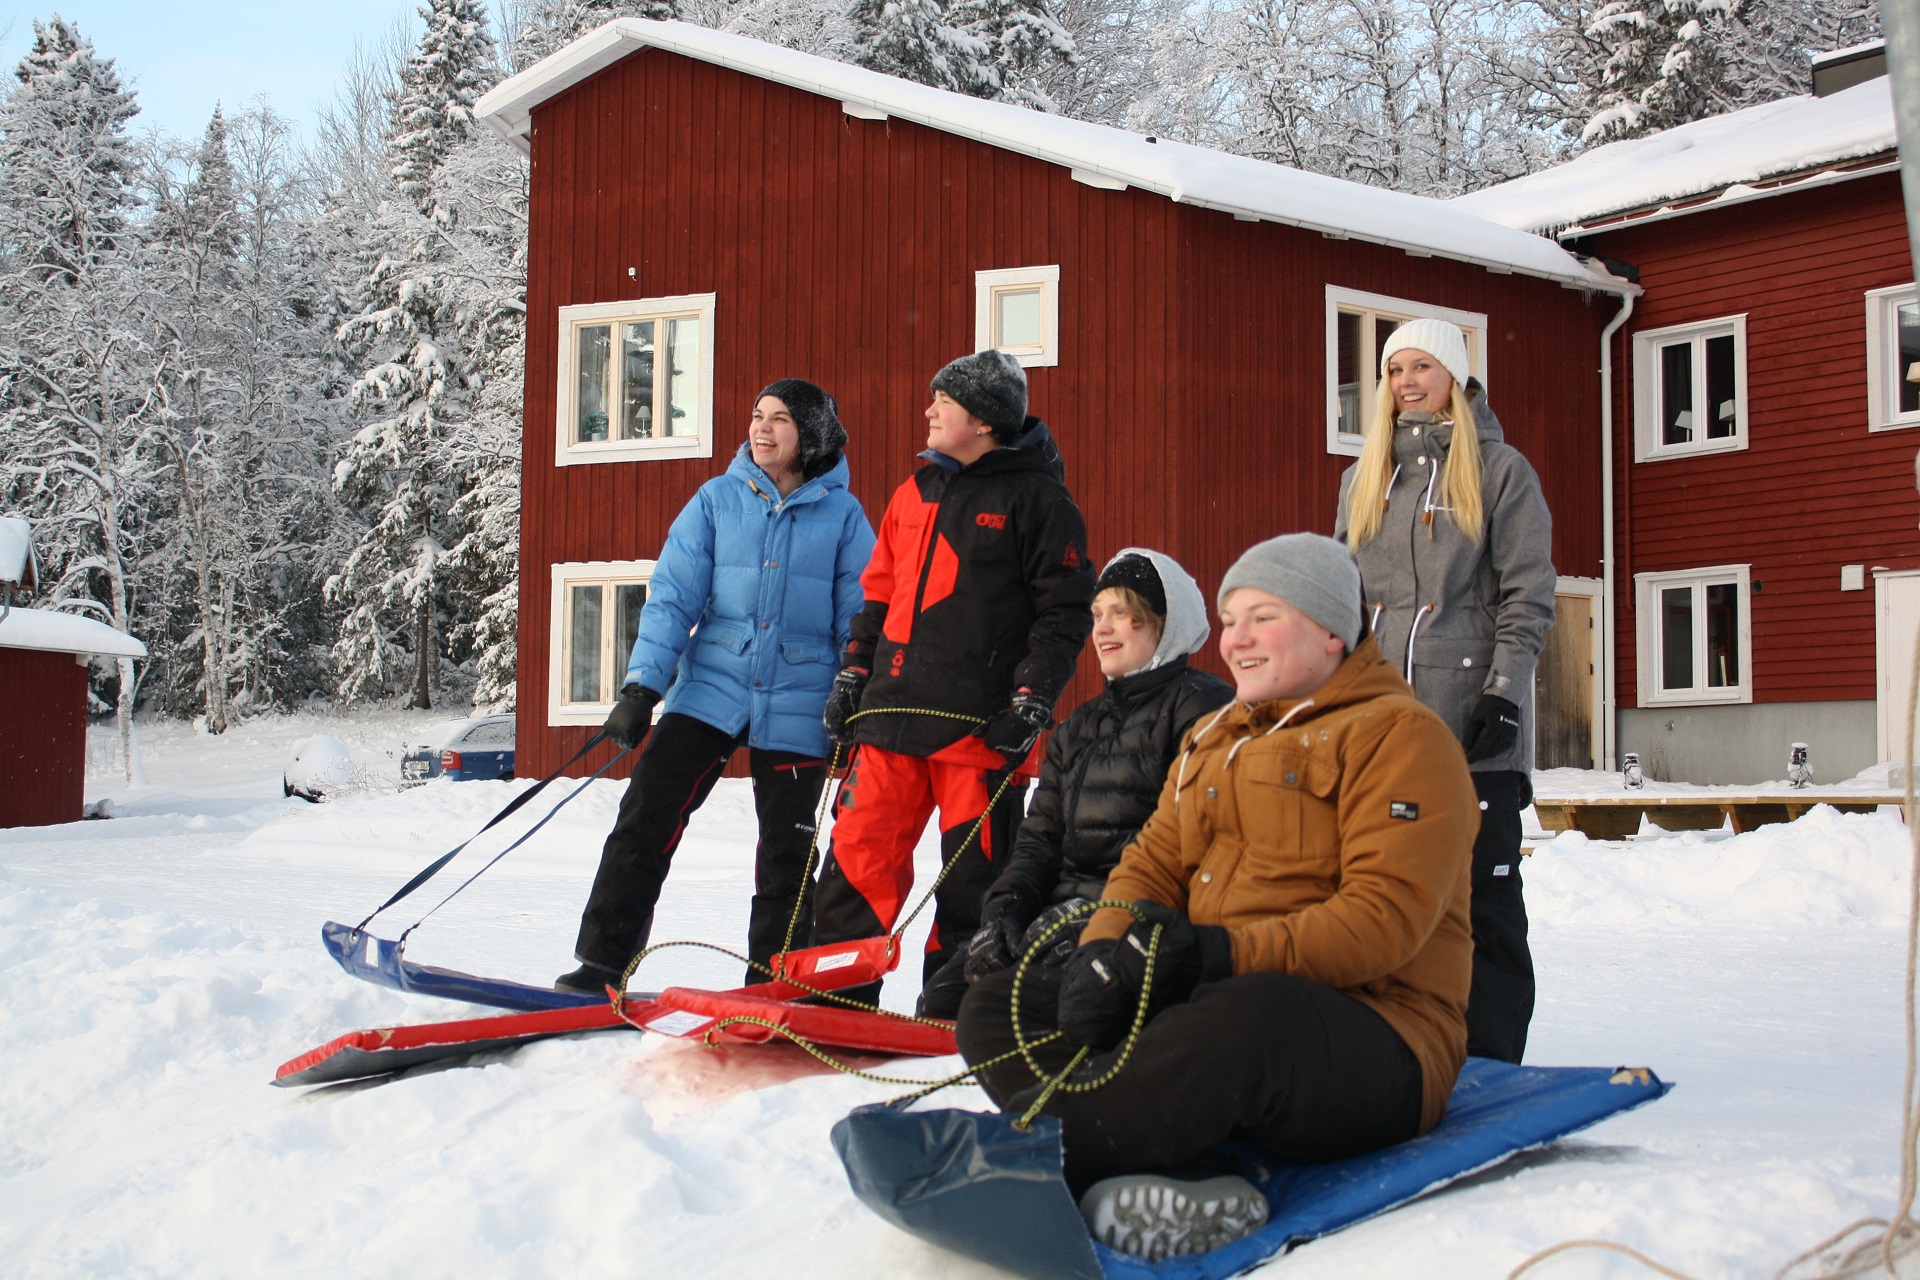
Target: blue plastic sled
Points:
(971, 1182)
(382, 963)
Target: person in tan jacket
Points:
(1305, 883)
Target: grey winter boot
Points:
(1154, 1217)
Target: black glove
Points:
(843, 700)
(1189, 955)
(1493, 726)
(1096, 1007)
(993, 947)
(632, 716)
(1014, 731)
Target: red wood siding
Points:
(43, 738)
(1189, 401)
(1814, 489)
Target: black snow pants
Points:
(681, 761)
(1501, 1003)
(1299, 1069)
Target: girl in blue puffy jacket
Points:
(739, 641)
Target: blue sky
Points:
(184, 56)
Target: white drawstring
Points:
(1413, 631)
(1278, 725)
(1205, 729)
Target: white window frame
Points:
(1647, 588)
(1371, 306)
(1883, 359)
(988, 284)
(1647, 343)
(568, 451)
(566, 576)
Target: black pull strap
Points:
(513, 806)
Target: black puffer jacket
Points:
(1100, 782)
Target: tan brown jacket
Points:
(1333, 837)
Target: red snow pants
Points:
(881, 810)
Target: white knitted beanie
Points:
(1443, 341)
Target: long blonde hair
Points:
(1373, 473)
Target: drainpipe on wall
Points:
(1609, 712)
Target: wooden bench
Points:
(1618, 817)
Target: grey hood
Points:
(1187, 627)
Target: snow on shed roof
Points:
(16, 550)
(65, 633)
(1096, 154)
(1725, 154)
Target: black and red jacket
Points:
(979, 586)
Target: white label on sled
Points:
(827, 964)
(679, 1023)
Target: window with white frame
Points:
(1690, 382)
(1358, 326)
(636, 380)
(1018, 311)
(595, 617)
(1695, 636)
(1893, 358)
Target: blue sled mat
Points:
(969, 1181)
(382, 963)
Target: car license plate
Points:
(414, 769)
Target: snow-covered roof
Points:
(1098, 155)
(65, 633)
(1807, 139)
(16, 550)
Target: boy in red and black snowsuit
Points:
(976, 609)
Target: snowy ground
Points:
(155, 968)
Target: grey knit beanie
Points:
(1314, 574)
(992, 386)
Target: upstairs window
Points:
(636, 380)
(1691, 384)
(1893, 358)
(1358, 326)
(1018, 311)
(595, 615)
(1694, 636)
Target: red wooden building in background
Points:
(710, 213)
(1766, 387)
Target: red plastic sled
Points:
(680, 1011)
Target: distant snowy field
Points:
(157, 967)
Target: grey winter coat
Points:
(1458, 618)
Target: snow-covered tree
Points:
(1024, 44)
(537, 28)
(80, 380)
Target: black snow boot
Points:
(591, 978)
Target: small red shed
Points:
(711, 212)
(43, 710)
(1765, 582)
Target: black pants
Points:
(681, 761)
(1501, 1003)
(1299, 1069)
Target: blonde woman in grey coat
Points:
(1455, 550)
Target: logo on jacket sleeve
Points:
(988, 520)
(1072, 558)
(1404, 810)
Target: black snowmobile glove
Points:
(1493, 726)
(843, 700)
(1014, 731)
(1189, 954)
(1096, 1006)
(632, 716)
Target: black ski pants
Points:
(1501, 1002)
(681, 761)
(1304, 1072)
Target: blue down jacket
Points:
(770, 584)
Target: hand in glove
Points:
(632, 716)
(1189, 954)
(1014, 731)
(1493, 726)
(843, 700)
(1004, 916)
(1096, 1006)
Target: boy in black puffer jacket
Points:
(1103, 772)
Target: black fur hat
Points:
(991, 386)
(1136, 573)
(817, 419)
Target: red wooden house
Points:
(710, 212)
(43, 694)
(1766, 576)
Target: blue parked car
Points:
(461, 751)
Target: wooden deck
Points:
(1618, 817)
